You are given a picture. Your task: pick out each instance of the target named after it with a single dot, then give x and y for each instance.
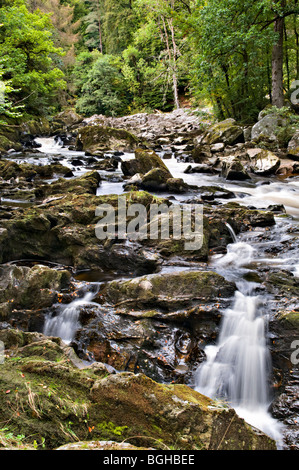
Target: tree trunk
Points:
(277, 64)
(174, 76)
(100, 27)
(172, 63)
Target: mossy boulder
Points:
(293, 147)
(96, 139)
(7, 144)
(36, 287)
(10, 169)
(263, 162)
(274, 129)
(67, 118)
(233, 169)
(86, 184)
(227, 132)
(51, 402)
(168, 291)
(144, 162)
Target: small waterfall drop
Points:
(237, 368)
(65, 323)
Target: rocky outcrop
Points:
(293, 147)
(25, 287)
(60, 400)
(144, 162)
(168, 291)
(96, 139)
(263, 162)
(226, 132)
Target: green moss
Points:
(97, 139)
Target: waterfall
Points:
(231, 231)
(65, 323)
(237, 368)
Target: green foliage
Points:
(7, 109)
(29, 53)
(104, 91)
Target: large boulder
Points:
(273, 129)
(96, 139)
(263, 162)
(67, 118)
(168, 291)
(293, 147)
(233, 169)
(144, 162)
(61, 400)
(227, 132)
(28, 288)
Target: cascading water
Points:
(237, 368)
(65, 324)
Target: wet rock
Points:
(293, 147)
(263, 162)
(94, 139)
(10, 169)
(227, 132)
(210, 193)
(169, 291)
(115, 407)
(232, 169)
(30, 288)
(144, 162)
(203, 168)
(88, 183)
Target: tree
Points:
(104, 91)
(7, 109)
(281, 10)
(65, 31)
(161, 15)
(27, 50)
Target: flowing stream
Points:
(237, 369)
(64, 322)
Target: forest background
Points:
(120, 57)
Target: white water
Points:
(65, 324)
(237, 368)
